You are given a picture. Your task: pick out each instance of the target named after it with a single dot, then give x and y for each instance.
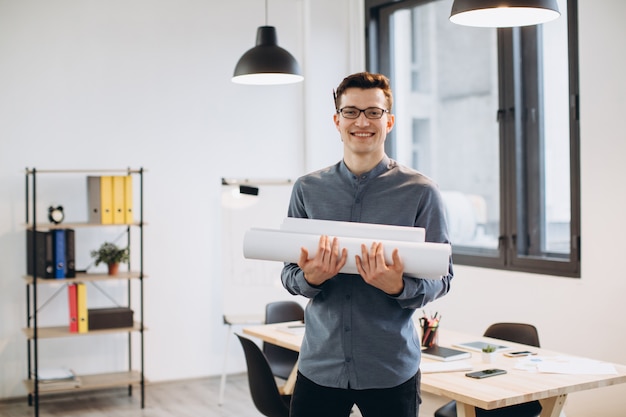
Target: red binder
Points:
(73, 305)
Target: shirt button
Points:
(348, 360)
(347, 328)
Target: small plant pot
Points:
(489, 357)
(114, 269)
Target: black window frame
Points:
(519, 140)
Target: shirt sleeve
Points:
(419, 292)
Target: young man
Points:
(360, 345)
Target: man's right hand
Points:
(326, 263)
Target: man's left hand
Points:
(375, 271)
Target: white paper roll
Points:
(354, 229)
(421, 259)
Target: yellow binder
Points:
(81, 304)
(119, 194)
(106, 199)
(128, 199)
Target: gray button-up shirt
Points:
(356, 335)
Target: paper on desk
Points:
(421, 259)
(565, 365)
(452, 366)
(297, 330)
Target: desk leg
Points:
(552, 407)
(287, 389)
(465, 410)
(220, 401)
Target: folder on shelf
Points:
(81, 304)
(118, 199)
(73, 307)
(43, 258)
(128, 199)
(58, 252)
(106, 199)
(94, 214)
(70, 256)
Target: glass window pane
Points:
(556, 134)
(445, 80)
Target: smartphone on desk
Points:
(485, 373)
(519, 353)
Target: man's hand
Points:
(375, 271)
(326, 263)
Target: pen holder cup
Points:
(430, 336)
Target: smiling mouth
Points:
(362, 134)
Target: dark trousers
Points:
(310, 399)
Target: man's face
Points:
(363, 136)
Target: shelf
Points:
(110, 195)
(86, 171)
(82, 277)
(64, 331)
(78, 225)
(87, 382)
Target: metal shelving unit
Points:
(134, 375)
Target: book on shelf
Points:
(117, 202)
(55, 257)
(43, 257)
(128, 199)
(72, 292)
(110, 199)
(58, 252)
(58, 378)
(81, 306)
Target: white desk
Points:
(517, 386)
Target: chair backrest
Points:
(263, 388)
(281, 360)
(279, 311)
(526, 334)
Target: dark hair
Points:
(364, 80)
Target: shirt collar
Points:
(384, 165)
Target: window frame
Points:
(513, 43)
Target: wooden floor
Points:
(189, 398)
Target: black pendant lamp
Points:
(503, 13)
(267, 63)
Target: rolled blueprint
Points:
(421, 259)
(353, 229)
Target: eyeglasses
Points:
(354, 113)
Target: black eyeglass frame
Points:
(340, 111)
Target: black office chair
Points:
(281, 360)
(513, 332)
(265, 393)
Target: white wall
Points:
(115, 84)
(91, 84)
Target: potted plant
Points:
(111, 255)
(489, 354)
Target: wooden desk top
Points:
(517, 386)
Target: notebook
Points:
(451, 366)
(478, 346)
(445, 354)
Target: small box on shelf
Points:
(109, 318)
